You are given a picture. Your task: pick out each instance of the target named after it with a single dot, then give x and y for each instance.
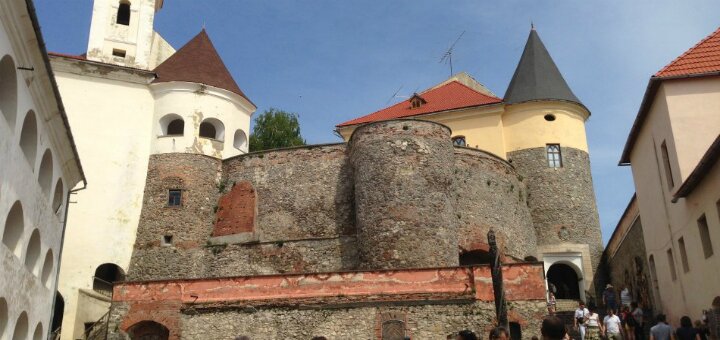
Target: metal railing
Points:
(98, 331)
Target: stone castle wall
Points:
(307, 199)
(403, 190)
(424, 303)
(561, 200)
(628, 267)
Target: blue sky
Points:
(330, 61)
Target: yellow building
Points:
(538, 127)
(673, 148)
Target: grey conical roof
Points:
(537, 77)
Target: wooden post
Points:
(497, 280)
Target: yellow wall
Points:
(525, 126)
(500, 129)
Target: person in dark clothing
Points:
(553, 328)
(686, 330)
(466, 335)
(499, 333)
(702, 330)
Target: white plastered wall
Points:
(111, 121)
(196, 103)
(686, 120)
(23, 287)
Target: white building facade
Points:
(128, 98)
(39, 167)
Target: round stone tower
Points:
(544, 126)
(403, 189)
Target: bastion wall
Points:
(398, 195)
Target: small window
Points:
(671, 263)
(553, 156)
(683, 255)
(118, 53)
(666, 163)
(167, 240)
(459, 141)
(176, 128)
(416, 101)
(207, 130)
(123, 14)
(175, 198)
(705, 236)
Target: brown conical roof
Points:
(198, 62)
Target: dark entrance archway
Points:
(565, 280)
(475, 257)
(58, 312)
(148, 330)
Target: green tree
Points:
(275, 129)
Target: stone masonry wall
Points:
(561, 200)
(304, 220)
(428, 303)
(629, 266)
(403, 174)
(489, 194)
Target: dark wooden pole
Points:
(497, 280)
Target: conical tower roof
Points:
(537, 77)
(198, 62)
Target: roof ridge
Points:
(688, 51)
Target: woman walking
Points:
(593, 325)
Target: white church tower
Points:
(173, 104)
(121, 33)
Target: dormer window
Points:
(416, 101)
(459, 141)
(123, 14)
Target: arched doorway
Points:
(58, 311)
(475, 257)
(565, 280)
(105, 275)
(148, 330)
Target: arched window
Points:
(212, 128)
(58, 197)
(28, 138)
(47, 267)
(475, 257)
(105, 275)
(45, 175)
(459, 141)
(8, 90)
(21, 327)
(240, 140)
(123, 14)
(38, 334)
(172, 125)
(33, 252)
(14, 228)
(3, 315)
(148, 330)
(176, 128)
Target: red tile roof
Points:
(450, 96)
(701, 58)
(198, 62)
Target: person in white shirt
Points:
(612, 326)
(581, 314)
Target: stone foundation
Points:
(424, 303)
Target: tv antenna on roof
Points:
(447, 57)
